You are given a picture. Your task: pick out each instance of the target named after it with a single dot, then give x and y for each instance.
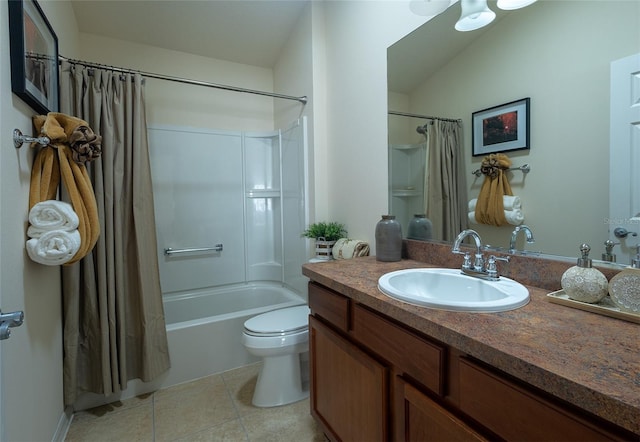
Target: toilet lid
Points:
(286, 320)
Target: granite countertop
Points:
(586, 359)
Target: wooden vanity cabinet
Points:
(349, 388)
(420, 418)
(374, 379)
(518, 412)
(357, 391)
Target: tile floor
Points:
(215, 408)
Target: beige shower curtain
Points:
(446, 185)
(114, 328)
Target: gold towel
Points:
(70, 139)
(490, 205)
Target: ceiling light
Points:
(475, 14)
(514, 4)
(428, 8)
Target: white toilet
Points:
(280, 337)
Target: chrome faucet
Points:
(478, 269)
(514, 235)
(478, 263)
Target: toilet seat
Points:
(282, 322)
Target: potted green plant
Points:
(326, 234)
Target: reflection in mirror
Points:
(552, 53)
(427, 180)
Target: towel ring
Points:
(525, 169)
(19, 139)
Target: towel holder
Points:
(19, 139)
(525, 168)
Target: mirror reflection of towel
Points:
(346, 248)
(490, 205)
(510, 202)
(514, 217)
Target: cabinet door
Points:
(419, 418)
(349, 389)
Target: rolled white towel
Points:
(510, 202)
(514, 217)
(54, 247)
(51, 215)
(346, 248)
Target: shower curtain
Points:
(446, 188)
(114, 328)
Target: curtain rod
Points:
(404, 114)
(302, 100)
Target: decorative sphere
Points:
(624, 289)
(584, 284)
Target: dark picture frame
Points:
(501, 128)
(34, 56)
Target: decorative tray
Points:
(605, 307)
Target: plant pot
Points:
(324, 249)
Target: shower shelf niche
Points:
(407, 164)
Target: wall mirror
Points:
(560, 55)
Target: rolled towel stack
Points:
(512, 210)
(510, 202)
(53, 232)
(346, 248)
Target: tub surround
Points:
(588, 360)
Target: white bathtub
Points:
(204, 328)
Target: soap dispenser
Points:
(624, 288)
(584, 283)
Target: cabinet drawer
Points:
(419, 358)
(514, 412)
(329, 305)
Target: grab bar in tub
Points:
(169, 251)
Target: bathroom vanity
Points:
(382, 369)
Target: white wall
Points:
(294, 75)
(357, 36)
(32, 403)
(569, 90)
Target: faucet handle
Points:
(478, 263)
(466, 263)
(492, 268)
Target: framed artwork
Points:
(501, 128)
(34, 56)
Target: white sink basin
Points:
(449, 289)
